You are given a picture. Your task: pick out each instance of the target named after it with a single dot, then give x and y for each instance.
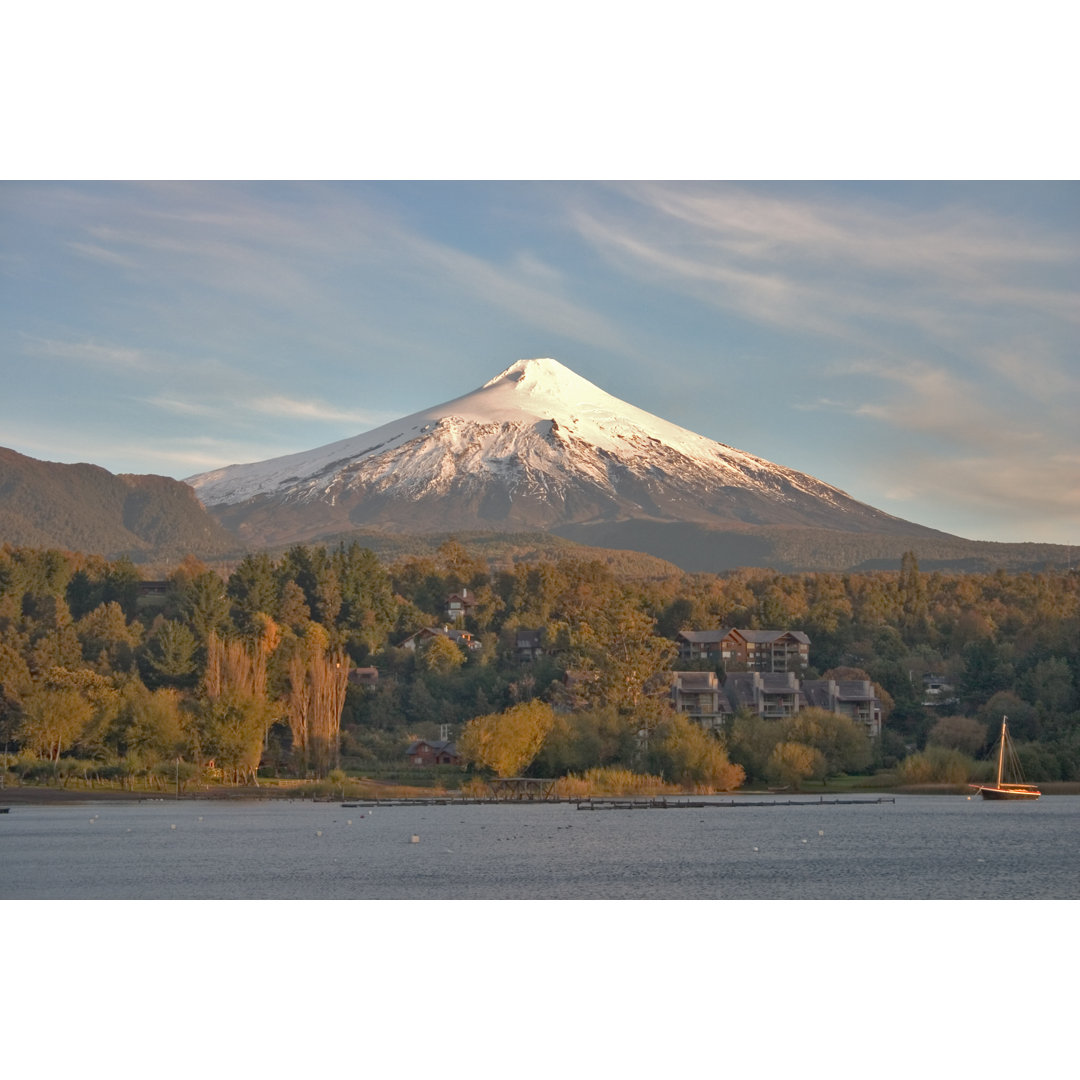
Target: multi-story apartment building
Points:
(747, 650)
(772, 696)
(849, 697)
(698, 694)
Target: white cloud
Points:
(279, 405)
(90, 352)
(100, 254)
(840, 267)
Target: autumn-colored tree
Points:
(154, 728)
(108, 639)
(582, 740)
(231, 730)
(318, 679)
(440, 655)
(15, 681)
(235, 713)
(842, 741)
(52, 719)
(507, 742)
(101, 696)
(791, 763)
(936, 765)
(52, 631)
(612, 647)
(685, 753)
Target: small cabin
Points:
(528, 644)
(424, 752)
(458, 605)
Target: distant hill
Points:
(500, 550)
(714, 549)
(87, 508)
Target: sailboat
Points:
(1005, 789)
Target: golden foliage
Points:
(791, 763)
(695, 758)
(508, 741)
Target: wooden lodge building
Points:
(747, 650)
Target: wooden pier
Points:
(664, 803)
(615, 803)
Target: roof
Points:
(820, 693)
(695, 680)
(703, 637)
(779, 682)
(767, 637)
(439, 746)
(854, 690)
(458, 636)
(758, 637)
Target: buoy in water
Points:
(415, 839)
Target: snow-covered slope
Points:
(536, 447)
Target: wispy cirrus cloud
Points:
(828, 265)
(97, 253)
(950, 326)
(298, 247)
(91, 353)
(278, 405)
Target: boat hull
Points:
(998, 793)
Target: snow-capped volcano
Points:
(536, 447)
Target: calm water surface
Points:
(920, 847)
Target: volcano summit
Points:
(535, 448)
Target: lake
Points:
(920, 847)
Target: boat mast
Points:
(1001, 751)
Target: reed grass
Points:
(612, 781)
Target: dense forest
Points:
(246, 674)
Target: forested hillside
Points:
(86, 508)
(248, 676)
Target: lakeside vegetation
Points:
(229, 681)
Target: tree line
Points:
(237, 671)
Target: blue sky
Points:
(913, 343)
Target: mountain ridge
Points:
(84, 507)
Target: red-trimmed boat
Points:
(1007, 759)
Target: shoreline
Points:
(45, 796)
